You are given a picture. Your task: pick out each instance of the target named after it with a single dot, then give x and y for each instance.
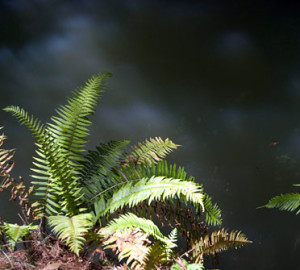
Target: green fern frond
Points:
(173, 235)
(288, 202)
(162, 168)
(212, 212)
(72, 229)
(38, 131)
(129, 221)
(216, 242)
(70, 126)
(56, 179)
(98, 165)
(16, 232)
(150, 189)
(156, 257)
(151, 151)
(148, 256)
(33, 124)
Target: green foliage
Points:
(98, 167)
(16, 232)
(80, 190)
(130, 221)
(128, 234)
(289, 202)
(151, 151)
(72, 229)
(162, 168)
(192, 266)
(60, 146)
(155, 188)
(69, 127)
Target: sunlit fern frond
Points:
(216, 242)
(72, 230)
(98, 165)
(150, 151)
(162, 168)
(130, 244)
(16, 232)
(69, 128)
(56, 182)
(141, 256)
(129, 221)
(149, 189)
(288, 202)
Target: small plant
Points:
(110, 195)
(15, 233)
(288, 202)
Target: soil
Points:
(51, 254)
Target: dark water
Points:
(220, 78)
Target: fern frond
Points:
(162, 168)
(129, 221)
(151, 151)
(98, 165)
(72, 229)
(70, 126)
(216, 242)
(144, 256)
(156, 257)
(132, 244)
(212, 212)
(33, 124)
(16, 232)
(150, 189)
(289, 202)
(56, 180)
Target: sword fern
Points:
(78, 191)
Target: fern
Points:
(70, 182)
(130, 221)
(151, 151)
(212, 212)
(16, 232)
(60, 184)
(72, 229)
(132, 244)
(60, 147)
(216, 242)
(141, 256)
(98, 167)
(70, 126)
(155, 188)
(162, 168)
(288, 202)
